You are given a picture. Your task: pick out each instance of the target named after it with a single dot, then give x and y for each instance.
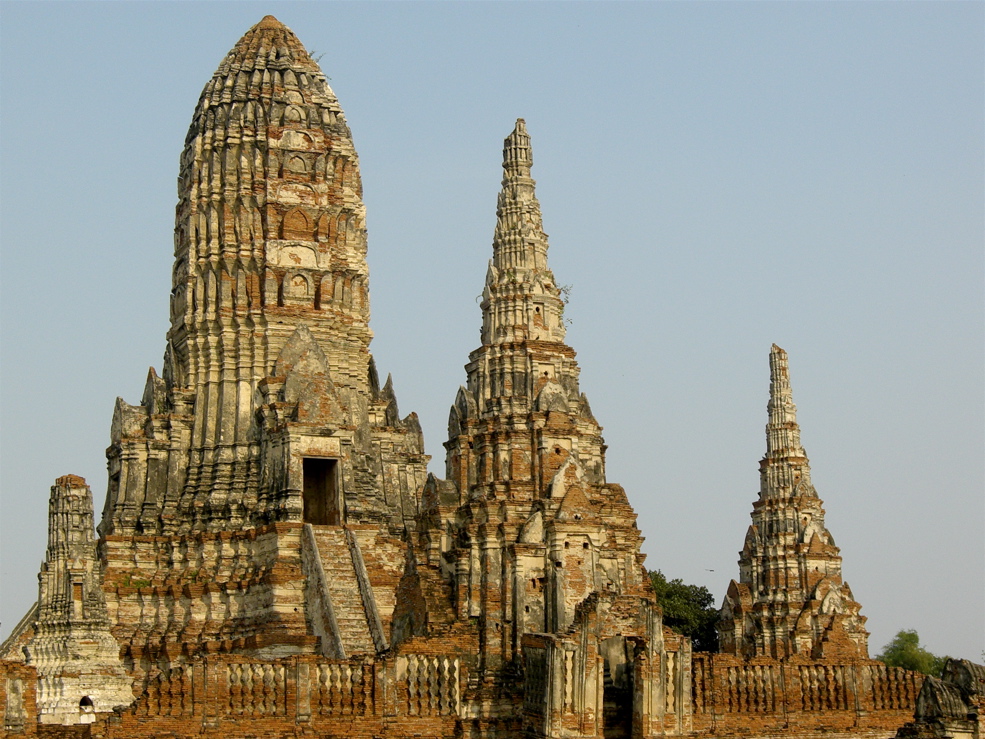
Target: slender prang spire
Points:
(790, 598)
(785, 466)
(520, 300)
(523, 365)
(525, 455)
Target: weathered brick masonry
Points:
(274, 560)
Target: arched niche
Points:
(296, 286)
(296, 225)
(322, 231)
(296, 140)
(294, 114)
(296, 164)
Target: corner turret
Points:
(77, 658)
(790, 598)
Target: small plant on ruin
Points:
(564, 294)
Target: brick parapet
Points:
(227, 695)
(732, 696)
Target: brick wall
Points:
(18, 700)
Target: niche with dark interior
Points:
(320, 491)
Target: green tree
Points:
(688, 610)
(905, 651)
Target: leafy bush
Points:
(905, 651)
(688, 610)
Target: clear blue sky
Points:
(714, 178)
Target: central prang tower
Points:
(267, 450)
(267, 361)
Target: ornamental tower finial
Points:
(518, 157)
(519, 242)
(785, 470)
(520, 300)
(782, 430)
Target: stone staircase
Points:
(344, 589)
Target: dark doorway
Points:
(617, 689)
(617, 711)
(320, 492)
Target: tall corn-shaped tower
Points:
(268, 427)
(269, 234)
(269, 295)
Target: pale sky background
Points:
(714, 178)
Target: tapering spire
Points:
(782, 429)
(520, 300)
(520, 242)
(523, 366)
(525, 454)
(785, 465)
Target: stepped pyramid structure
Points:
(273, 558)
(790, 598)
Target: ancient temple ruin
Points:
(273, 558)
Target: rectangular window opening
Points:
(77, 610)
